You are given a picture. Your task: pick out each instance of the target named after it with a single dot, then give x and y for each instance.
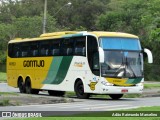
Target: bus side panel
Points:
(37, 70)
(12, 72)
(11, 78)
(78, 69)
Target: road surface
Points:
(92, 104)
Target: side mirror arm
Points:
(149, 54)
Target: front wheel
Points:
(116, 96)
(79, 90)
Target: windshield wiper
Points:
(120, 68)
(128, 65)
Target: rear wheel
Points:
(79, 90)
(28, 88)
(116, 96)
(21, 85)
(56, 93)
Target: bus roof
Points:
(66, 34)
(113, 34)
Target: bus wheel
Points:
(116, 96)
(56, 93)
(28, 86)
(79, 90)
(21, 86)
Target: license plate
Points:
(124, 90)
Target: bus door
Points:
(93, 61)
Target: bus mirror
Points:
(149, 54)
(101, 55)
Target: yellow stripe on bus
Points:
(118, 81)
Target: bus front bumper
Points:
(121, 90)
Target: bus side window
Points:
(25, 49)
(80, 46)
(14, 50)
(34, 49)
(55, 47)
(67, 47)
(10, 50)
(44, 48)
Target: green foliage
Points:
(2, 57)
(32, 26)
(4, 102)
(151, 72)
(3, 76)
(151, 86)
(8, 93)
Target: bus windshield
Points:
(123, 58)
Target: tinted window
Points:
(93, 54)
(25, 49)
(67, 47)
(10, 50)
(14, 50)
(34, 50)
(44, 48)
(55, 47)
(80, 46)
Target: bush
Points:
(3, 57)
(151, 72)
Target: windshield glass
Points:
(122, 59)
(116, 43)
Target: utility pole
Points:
(45, 13)
(45, 16)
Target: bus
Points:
(109, 63)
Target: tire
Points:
(56, 93)
(79, 90)
(116, 96)
(29, 89)
(21, 85)
(28, 86)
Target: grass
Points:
(8, 93)
(149, 86)
(71, 94)
(4, 102)
(101, 115)
(3, 76)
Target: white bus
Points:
(109, 63)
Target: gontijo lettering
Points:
(33, 63)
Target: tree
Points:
(32, 26)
